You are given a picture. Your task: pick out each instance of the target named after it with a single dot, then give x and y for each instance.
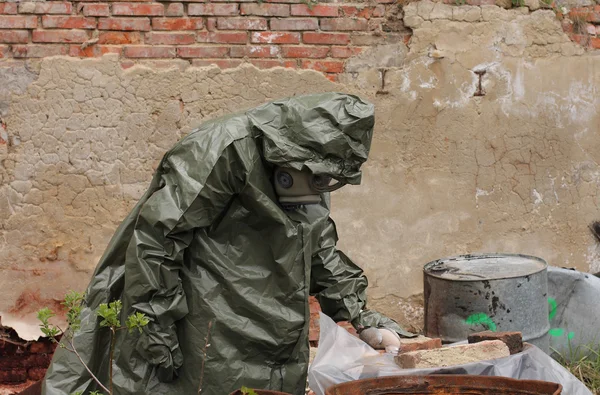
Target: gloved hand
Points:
(381, 338)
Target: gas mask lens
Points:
(322, 183)
(296, 188)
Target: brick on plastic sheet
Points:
(514, 340)
(451, 356)
(419, 343)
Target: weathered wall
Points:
(514, 169)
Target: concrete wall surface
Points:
(486, 141)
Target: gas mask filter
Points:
(297, 188)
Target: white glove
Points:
(381, 339)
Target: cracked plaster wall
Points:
(515, 170)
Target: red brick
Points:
(38, 51)
(223, 37)
(363, 12)
(451, 356)
(213, 9)
(332, 66)
(275, 38)
(255, 51)
(211, 24)
(344, 24)
(326, 38)
(50, 7)
(221, 63)
(265, 9)
(59, 36)
(36, 373)
(177, 23)
(119, 38)
(156, 38)
(242, 24)
(514, 340)
(294, 24)
(14, 36)
(316, 10)
(138, 9)
(96, 10)
(93, 51)
(202, 52)
(68, 22)
(174, 9)
(594, 42)
(332, 77)
(270, 63)
(345, 52)
(124, 24)
(419, 343)
(18, 22)
(4, 49)
(8, 8)
(15, 375)
(305, 52)
(146, 51)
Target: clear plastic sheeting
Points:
(342, 357)
(574, 313)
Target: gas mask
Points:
(297, 188)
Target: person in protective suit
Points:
(222, 253)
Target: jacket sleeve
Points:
(340, 286)
(190, 195)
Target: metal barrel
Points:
(499, 292)
(445, 384)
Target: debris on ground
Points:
(22, 362)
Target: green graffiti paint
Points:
(556, 332)
(482, 319)
(571, 335)
(553, 306)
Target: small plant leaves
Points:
(110, 314)
(137, 320)
(248, 391)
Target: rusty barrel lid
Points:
(445, 384)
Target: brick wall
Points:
(272, 33)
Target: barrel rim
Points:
(429, 265)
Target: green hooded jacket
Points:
(222, 271)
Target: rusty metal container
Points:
(261, 392)
(445, 384)
(499, 292)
